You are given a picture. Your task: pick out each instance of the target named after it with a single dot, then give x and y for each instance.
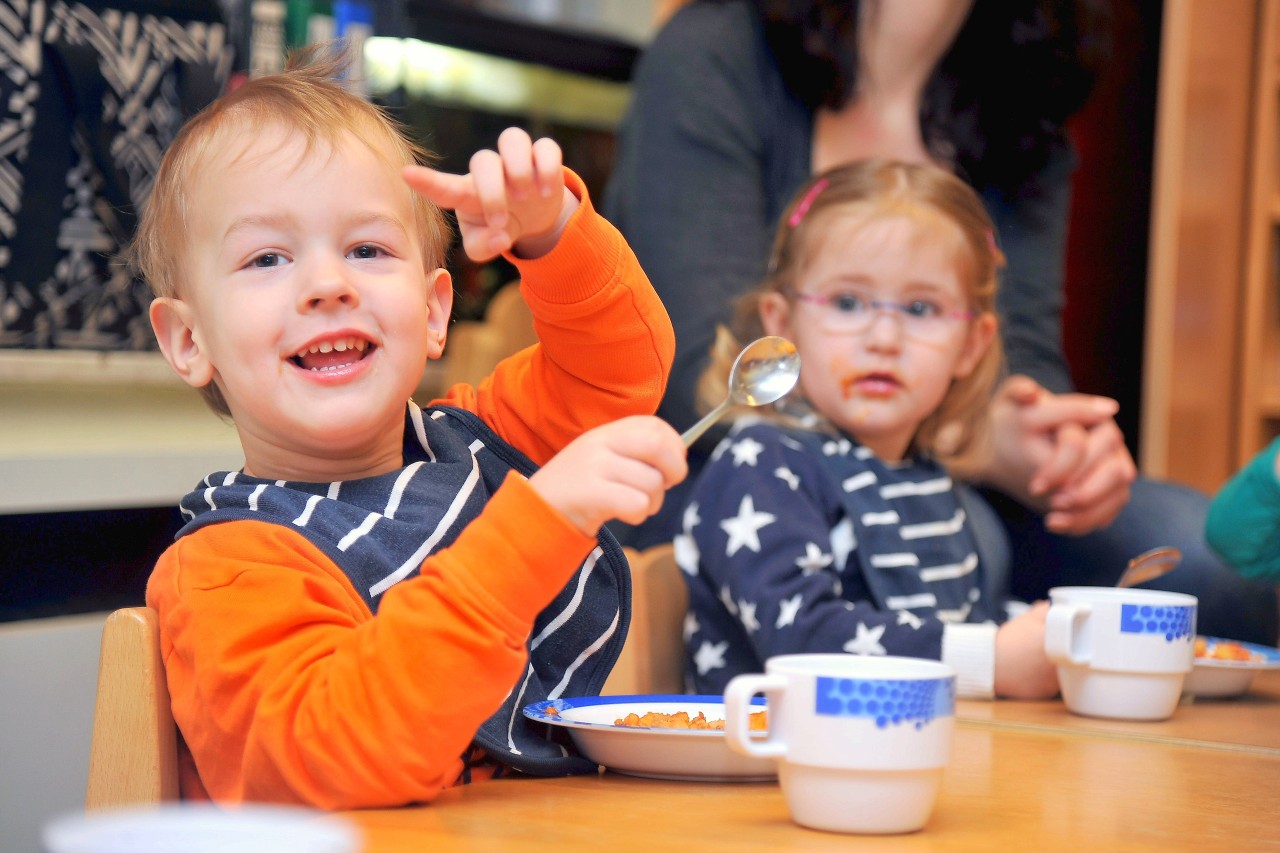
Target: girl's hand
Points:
(619, 470)
(513, 198)
(1023, 670)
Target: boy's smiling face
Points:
(305, 297)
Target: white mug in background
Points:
(860, 742)
(196, 827)
(1121, 653)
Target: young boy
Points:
(299, 285)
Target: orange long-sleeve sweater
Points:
(284, 684)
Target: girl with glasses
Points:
(832, 523)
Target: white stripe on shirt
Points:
(946, 527)
(904, 559)
(936, 486)
(859, 481)
(950, 572)
(910, 602)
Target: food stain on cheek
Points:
(846, 377)
(847, 380)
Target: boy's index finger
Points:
(442, 189)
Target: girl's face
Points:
(883, 325)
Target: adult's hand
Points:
(1061, 454)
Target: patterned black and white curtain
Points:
(91, 93)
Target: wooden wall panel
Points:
(1199, 201)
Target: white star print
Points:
(744, 528)
(906, 617)
(867, 642)
(746, 451)
(710, 656)
(726, 598)
(686, 553)
(787, 476)
(690, 518)
(843, 541)
(747, 613)
(691, 625)
(814, 560)
(837, 588)
(787, 610)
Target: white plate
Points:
(682, 754)
(1217, 678)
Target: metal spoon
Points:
(1149, 566)
(762, 373)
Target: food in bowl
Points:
(756, 722)
(1224, 650)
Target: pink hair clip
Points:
(802, 207)
(991, 243)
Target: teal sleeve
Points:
(1243, 524)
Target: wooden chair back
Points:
(474, 349)
(133, 759)
(652, 661)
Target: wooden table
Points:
(1246, 723)
(1006, 788)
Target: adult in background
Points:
(737, 102)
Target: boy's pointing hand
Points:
(512, 199)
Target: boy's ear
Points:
(174, 324)
(981, 332)
(775, 314)
(439, 306)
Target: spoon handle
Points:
(695, 432)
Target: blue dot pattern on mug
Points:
(1175, 622)
(890, 702)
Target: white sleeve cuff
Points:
(971, 650)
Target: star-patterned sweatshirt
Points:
(804, 541)
(285, 684)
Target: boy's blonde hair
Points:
(943, 209)
(307, 98)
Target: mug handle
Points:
(1061, 627)
(737, 711)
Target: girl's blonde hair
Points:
(307, 98)
(943, 209)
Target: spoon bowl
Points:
(764, 372)
(1149, 565)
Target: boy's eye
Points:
(266, 260)
(848, 303)
(922, 308)
(366, 252)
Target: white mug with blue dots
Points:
(860, 742)
(1121, 653)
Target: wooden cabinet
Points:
(1211, 387)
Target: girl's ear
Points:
(439, 306)
(981, 332)
(175, 326)
(775, 314)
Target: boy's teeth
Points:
(353, 343)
